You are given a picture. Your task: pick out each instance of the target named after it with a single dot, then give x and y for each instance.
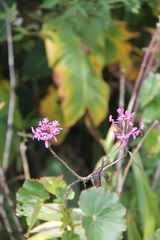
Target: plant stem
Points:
(9, 132)
(65, 164)
(23, 149)
(138, 84)
(131, 160)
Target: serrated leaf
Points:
(103, 214)
(30, 198)
(151, 88)
(147, 202)
(78, 84)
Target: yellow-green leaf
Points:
(80, 88)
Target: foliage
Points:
(105, 212)
(69, 56)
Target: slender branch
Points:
(5, 188)
(9, 132)
(131, 160)
(121, 153)
(5, 219)
(156, 177)
(65, 164)
(23, 149)
(122, 89)
(139, 79)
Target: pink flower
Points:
(123, 126)
(46, 131)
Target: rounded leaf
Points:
(103, 214)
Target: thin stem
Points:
(135, 92)
(5, 219)
(5, 188)
(65, 164)
(156, 177)
(131, 160)
(113, 163)
(9, 132)
(121, 153)
(23, 149)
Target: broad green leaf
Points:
(147, 202)
(50, 106)
(78, 84)
(117, 39)
(30, 199)
(132, 230)
(103, 214)
(56, 186)
(151, 88)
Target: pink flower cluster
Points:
(123, 126)
(46, 131)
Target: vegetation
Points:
(68, 68)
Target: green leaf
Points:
(103, 214)
(147, 202)
(30, 199)
(132, 230)
(70, 235)
(56, 186)
(50, 212)
(9, 14)
(151, 88)
(79, 86)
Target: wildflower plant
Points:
(46, 131)
(99, 214)
(123, 127)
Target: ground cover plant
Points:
(79, 120)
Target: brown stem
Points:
(65, 164)
(23, 149)
(136, 92)
(131, 160)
